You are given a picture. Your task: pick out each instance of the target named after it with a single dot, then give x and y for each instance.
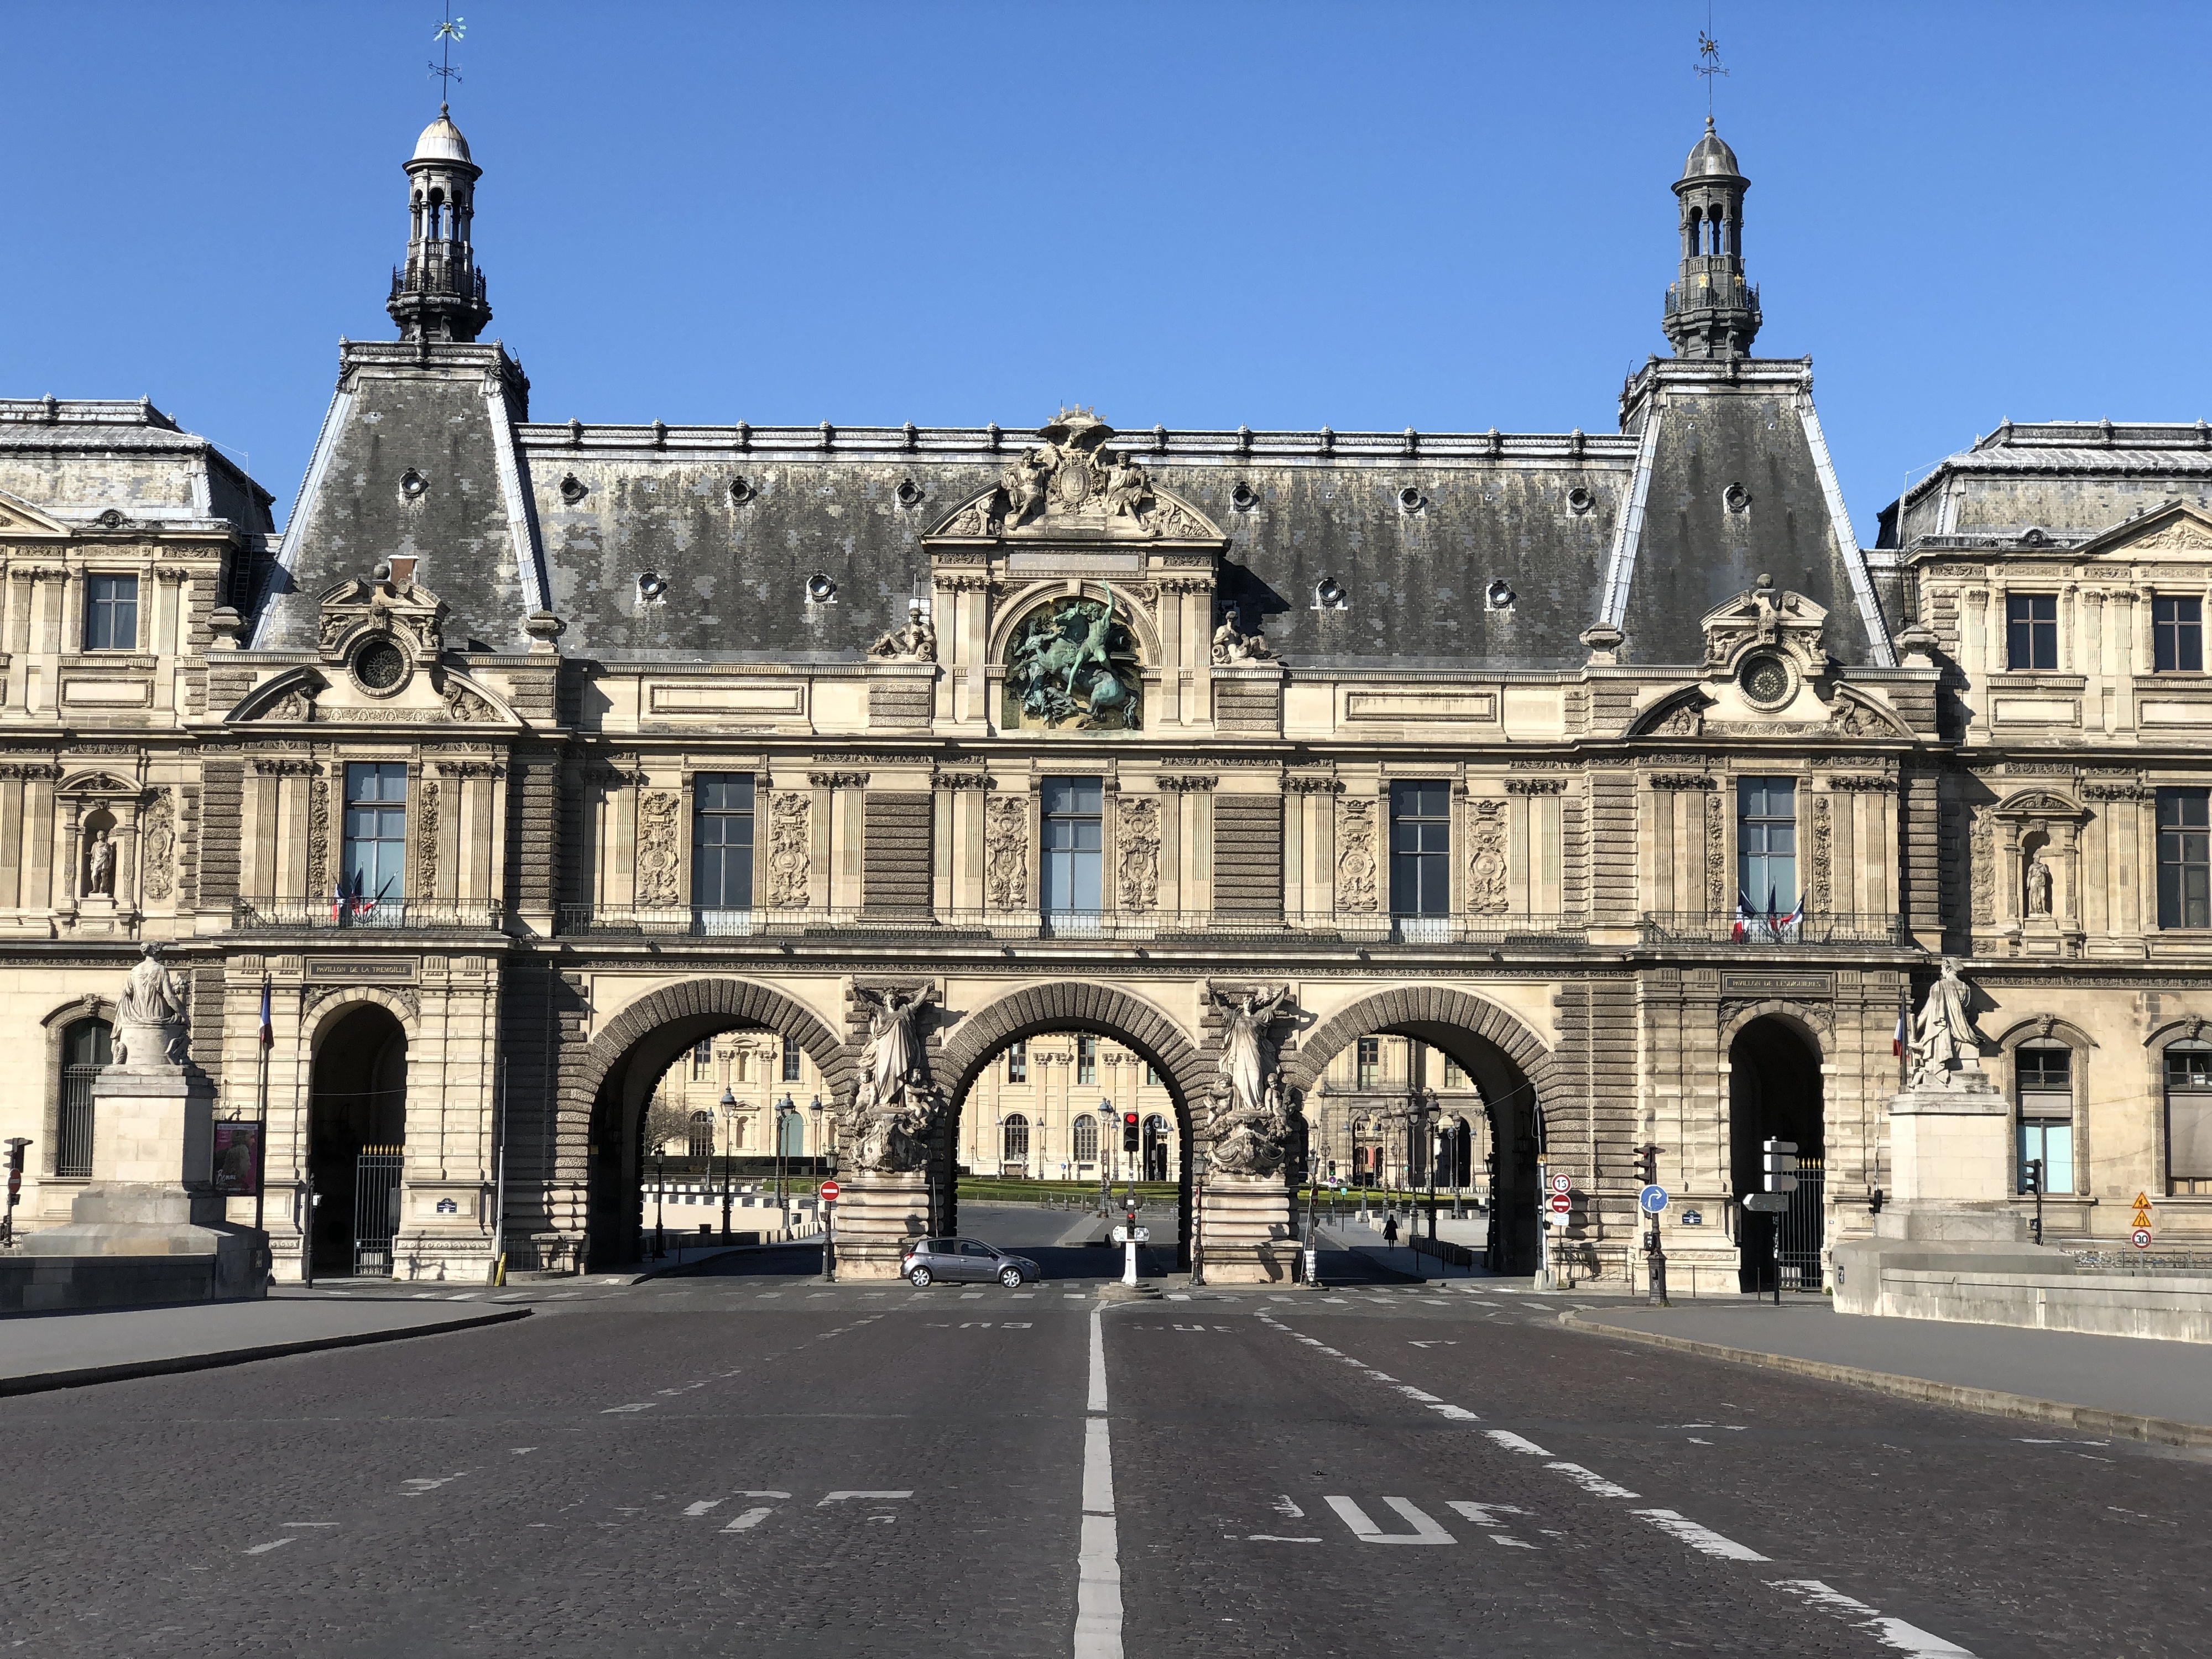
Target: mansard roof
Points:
(73, 459)
(2064, 479)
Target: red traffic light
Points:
(1129, 1120)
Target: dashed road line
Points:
(1892, 1632)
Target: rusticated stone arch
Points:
(704, 1004)
(1073, 1006)
(1814, 1022)
(326, 1010)
(1439, 1015)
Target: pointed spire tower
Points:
(1711, 312)
(439, 295)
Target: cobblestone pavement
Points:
(758, 1465)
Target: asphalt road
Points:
(751, 1464)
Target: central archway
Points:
(609, 1091)
(1102, 1011)
(1512, 1069)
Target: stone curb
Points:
(2158, 1430)
(45, 1381)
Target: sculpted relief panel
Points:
(1006, 853)
(1355, 856)
(657, 855)
(789, 850)
(1073, 666)
(1485, 864)
(1141, 853)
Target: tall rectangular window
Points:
(110, 613)
(1087, 1059)
(2189, 1119)
(1074, 842)
(722, 840)
(375, 860)
(2031, 630)
(2177, 635)
(1766, 842)
(1370, 1062)
(2184, 859)
(791, 1060)
(2046, 1116)
(1420, 849)
(1017, 1062)
(702, 1060)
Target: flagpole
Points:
(261, 1092)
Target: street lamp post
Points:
(1198, 1161)
(729, 1105)
(783, 1108)
(659, 1196)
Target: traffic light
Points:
(1129, 1132)
(1647, 1165)
(1780, 1165)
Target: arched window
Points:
(84, 1053)
(1696, 232)
(1086, 1139)
(2189, 1118)
(702, 1137)
(1017, 1139)
(2044, 1077)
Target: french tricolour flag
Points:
(1897, 1037)
(1742, 916)
(268, 1027)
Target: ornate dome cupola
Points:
(1711, 312)
(439, 295)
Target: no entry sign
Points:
(829, 1192)
(1562, 1203)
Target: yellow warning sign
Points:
(2142, 1201)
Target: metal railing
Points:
(2127, 1260)
(444, 914)
(1765, 933)
(1692, 296)
(694, 922)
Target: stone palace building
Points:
(524, 756)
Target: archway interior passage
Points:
(1047, 1111)
(356, 1138)
(1774, 1094)
(1371, 1126)
(705, 1112)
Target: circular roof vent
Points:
(820, 590)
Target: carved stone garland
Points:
(318, 837)
(1717, 900)
(1822, 847)
(157, 847)
(1982, 867)
(658, 855)
(790, 851)
(1140, 870)
(1486, 865)
(1006, 854)
(1355, 856)
(426, 843)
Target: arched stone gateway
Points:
(1516, 1074)
(604, 1093)
(1073, 1006)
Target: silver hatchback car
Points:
(965, 1262)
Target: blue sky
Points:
(1281, 215)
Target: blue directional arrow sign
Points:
(1653, 1199)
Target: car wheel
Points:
(919, 1279)
(1011, 1278)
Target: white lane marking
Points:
(1425, 1531)
(1413, 1393)
(840, 1497)
(749, 1520)
(1098, 1558)
(647, 1406)
(1272, 1538)
(264, 1549)
(1456, 1414)
(1513, 1442)
(1892, 1632)
(422, 1484)
(1704, 1540)
(704, 1504)
(520, 1451)
(1287, 1505)
(1594, 1483)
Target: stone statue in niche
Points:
(100, 865)
(2038, 886)
(1232, 645)
(915, 642)
(1072, 665)
(1945, 1040)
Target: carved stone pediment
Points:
(1073, 485)
(2175, 528)
(288, 697)
(20, 522)
(1680, 714)
(1782, 623)
(410, 615)
(2038, 805)
(1854, 714)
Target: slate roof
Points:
(2065, 477)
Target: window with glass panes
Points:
(2176, 635)
(791, 1060)
(2184, 859)
(1086, 1139)
(2031, 630)
(700, 1143)
(702, 1060)
(110, 613)
(1016, 1137)
(2189, 1119)
(1368, 1060)
(2044, 1078)
(722, 840)
(375, 854)
(1421, 847)
(1766, 842)
(1017, 1062)
(1086, 1059)
(1074, 840)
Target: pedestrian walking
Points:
(1390, 1230)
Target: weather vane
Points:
(1709, 60)
(452, 29)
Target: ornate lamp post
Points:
(784, 1109)
(1198, 1161)
(729, 1105)
(659, 1196)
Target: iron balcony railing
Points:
(1692, 296)
(444, 914)
(697, 922)
(1769, 933)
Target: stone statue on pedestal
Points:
(894, 1109)
(1945, 1040)
(1252, 1125)
(151, 1019)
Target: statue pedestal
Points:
(1954, 1208)
(150, 1226)
(1248, 1233)
(875, 1214)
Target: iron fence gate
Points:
(375, 1210)
(73, 1149)
(1800, 1230)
